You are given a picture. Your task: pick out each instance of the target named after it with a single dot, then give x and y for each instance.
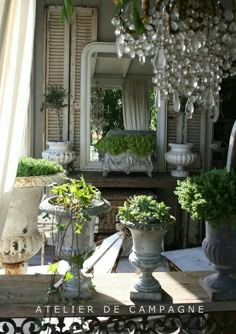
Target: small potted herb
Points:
(211, 196)
(54, 101)
(20, 239)
(75, 208)
(148, 221)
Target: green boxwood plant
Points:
(137, 144)
(28, 166)
(145, 209)
(209, 196)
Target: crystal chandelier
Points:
(191, 44)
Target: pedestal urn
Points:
(59, 151)
(219, 247)
(71, 245)
(180, 155)
(20, 238)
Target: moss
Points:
(36, 167)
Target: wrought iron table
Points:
(185, 307)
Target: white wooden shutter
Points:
(56, 66)
(84, 31)
(195, 133)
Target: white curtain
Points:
(17, 21)
(135, 105)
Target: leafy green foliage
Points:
(153, 110)
(144, 209)
(76, 196)
(54, 97)
(54, 101)
(137, 144)
(66, 12)
(210, 196)
(136, 14)
(35, 167)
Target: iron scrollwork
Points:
(145, 324)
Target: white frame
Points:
(85, 163)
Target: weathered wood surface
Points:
(134, 180)
(26, 296)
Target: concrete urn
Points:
(146, 256)
(180, 155)
(219, 247)
(69, 244)
(20, 238)
(59, 151)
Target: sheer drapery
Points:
(135, 106)
(17, 23)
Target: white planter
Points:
(59, 151)
(180, 155)
(21, 239)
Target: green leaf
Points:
(53, 267)
(68, 276)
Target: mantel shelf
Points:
(133, 180)
(21, 296)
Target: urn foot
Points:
(219, 287)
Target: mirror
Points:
(103, 75)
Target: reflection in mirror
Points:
(106, 114)
(116, 94)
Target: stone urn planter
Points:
(59, 151)
(148, 221)
(210, 196)
(20, 238)
(180, 155)
(219, 247)
(75, 237)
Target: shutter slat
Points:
(84, 33)
(56, 36)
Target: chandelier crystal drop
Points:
(191, 44)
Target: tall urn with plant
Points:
(211, 196)
(20, 238)
(180, 154)
(58, 150)
(75, 209)
(148, 221)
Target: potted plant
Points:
(75, 208)
(211, 196)
(20, 238)
(130, 152)
(60, 150)
(180, 153)
(148, 221)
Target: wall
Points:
(105, 34)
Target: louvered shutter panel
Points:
(84, 31)
(195, 133)
(57, 67)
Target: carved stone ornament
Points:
(127, 163)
